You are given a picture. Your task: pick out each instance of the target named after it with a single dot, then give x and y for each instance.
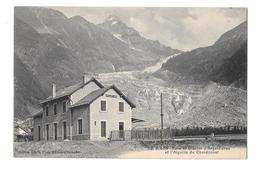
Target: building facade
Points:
(86, 110)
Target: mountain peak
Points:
(132, 37)
(239, 31)
(80, 19)
(114, 25)
(77, 17)
(112, 20)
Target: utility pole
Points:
(161, 116)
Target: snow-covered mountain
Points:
(134, 39)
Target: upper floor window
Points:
(103, 105)
(64, 106)
(55, 108)
(121, 107)
(47, 110)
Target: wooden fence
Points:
(152, 134)
(170, 133)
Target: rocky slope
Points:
(234, 70)
(27, 91)
(217, 106)
(144, 90)
(192, 105)
(215, 77)
(207, 63)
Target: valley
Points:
(202, 87)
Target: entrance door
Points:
(64, 130)
(103, 129)
(55, 131)
(47, 131)
(39, 133)
(121, 130)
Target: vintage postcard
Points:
(130, 82)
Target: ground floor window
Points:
(55, 125)
(32, 133)
(47, 132)
(39, 133)
(80, 126)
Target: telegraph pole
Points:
(161, 116)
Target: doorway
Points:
(121, 130)
(103, 128)
(64, 130)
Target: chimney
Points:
(53, 90)
(85, 78)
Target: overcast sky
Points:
(180, 28)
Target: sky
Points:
(179, 28)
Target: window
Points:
(103, 106)
(80, 126)
(55, 131)
(55, 108)
(32, 134)
(47, 132)
(121, 107)
(39, 133)
(64, 106)
(47, 111)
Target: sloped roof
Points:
(22, 128)
(95, 94)
(38, 114)
(69, 90)
(135, 120)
